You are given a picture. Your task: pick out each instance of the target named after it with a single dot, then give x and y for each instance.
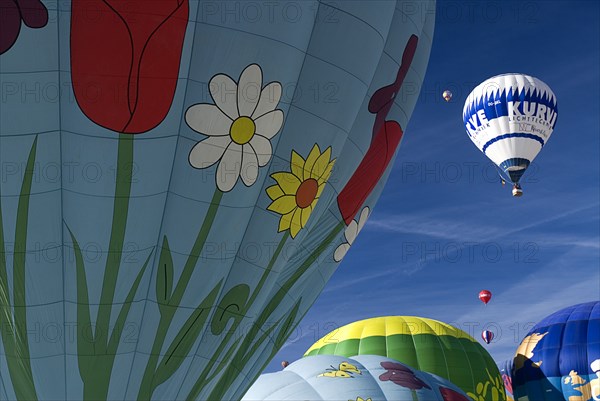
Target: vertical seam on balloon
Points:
(3, 387)
(302, 280)
(226, 278)
(194, 355)
(559, 349)
(459, 335)
(560, 346)
(131, 112)
(158, 245)
(137, 85)
(324, 212)
(379, 382)
(412, 339)
(383, 53)
(405, 15)
(333, 207)
(561, 338)
(587, 358)
(334, 204)
(335, 347)
(276, 285)
(505, 125)
(3, 346)
(370, 372)
(62, 208)
(2, 228)
(589, 335)
(438, 336)
(385, 336)
(331, 5)
(264, 184)
(360, 338)
(222, 290)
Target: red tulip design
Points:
(386, 137)
(32, 12)
(125, 58)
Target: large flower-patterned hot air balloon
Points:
(424, 344)
(362, 377)
(559, 358)
(510, 118)
(177, 176)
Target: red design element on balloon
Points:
(125, 58)
(402, 376)
(386, 137)
(507, 383)
(450, 395)
(32, 12)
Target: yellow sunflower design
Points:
(297, 192)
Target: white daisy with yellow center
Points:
(239, 126)
(297, 192)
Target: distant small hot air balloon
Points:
(284, 364)
(447, 95)
(487, 336)
(485, 296)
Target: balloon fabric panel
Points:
(184, 183)
(360, 378)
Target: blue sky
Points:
(444, 227)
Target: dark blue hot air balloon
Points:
(559, 359)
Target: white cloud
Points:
(465, 226)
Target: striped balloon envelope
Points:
(510, 118)
(559, 359)
(487, 336)
(424, 344)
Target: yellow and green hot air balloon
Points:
(425, 344)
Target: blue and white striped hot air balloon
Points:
(510, 118)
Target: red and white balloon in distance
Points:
(485, 296)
